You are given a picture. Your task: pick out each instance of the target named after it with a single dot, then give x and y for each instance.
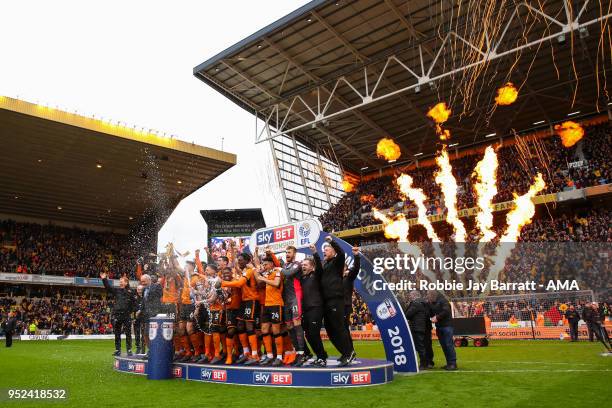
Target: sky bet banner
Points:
(382, 304)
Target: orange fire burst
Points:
(448, 184)
(507, 94)
(367, 198)
(444, 134)
(395, 227)
(570, 133)
(388, 149)
(486, 189)
(439, 113)
(523, 211)
(347, 186)
(416, 194)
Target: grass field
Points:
(506, 374)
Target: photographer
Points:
(121, 319)
(333, 295)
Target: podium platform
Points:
(362, 372)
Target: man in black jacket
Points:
(122, 310)
(333, 298)
(151, 303)
(312, 305)
(592, 318)
(573, 317)
(139, 320)
(441, 315)
(348, 284)
(9, 326)
(417, 315)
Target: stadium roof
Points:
(304, 74)
(62, 166)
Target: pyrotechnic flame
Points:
(485, 173)
(347, 186)
(388, 149)
(395, 227)
(439, 113)
(570, 133)
(507, 94)
(448, 185)
(367, 198)
(416, 194)
(523, 211)
(444, 134)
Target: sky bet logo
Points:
(356, 378)
(208, 374)
(136, 367)
(177, 372)
(272, 378)
(275, 235)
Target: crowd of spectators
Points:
(55, 250)
(57, 315)
(518, 163)
(542, 311)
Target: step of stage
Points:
(362, 372)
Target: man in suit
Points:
(151, 303)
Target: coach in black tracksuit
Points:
(122, 310)
(333, 301)
(312, 305)
(348, 284)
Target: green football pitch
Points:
(506, 374)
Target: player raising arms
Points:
(272, 312)
(171, 284)
(232, 309)
(244, 279)
(292, 309)
(187, 331)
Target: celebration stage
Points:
(363, 372)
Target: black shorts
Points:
(217, 321)
(249, 311)
(202, 319)
(292, 312)
(272, 314)
(186, 312)
(231, 317)
(169, 309)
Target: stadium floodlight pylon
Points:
(278, 116)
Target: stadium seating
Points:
(55, 250)
(353, 209)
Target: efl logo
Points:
(356, 378)
(386, 310)
(272, 378)
(275, 235)
(213, 375)
(177, 372)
